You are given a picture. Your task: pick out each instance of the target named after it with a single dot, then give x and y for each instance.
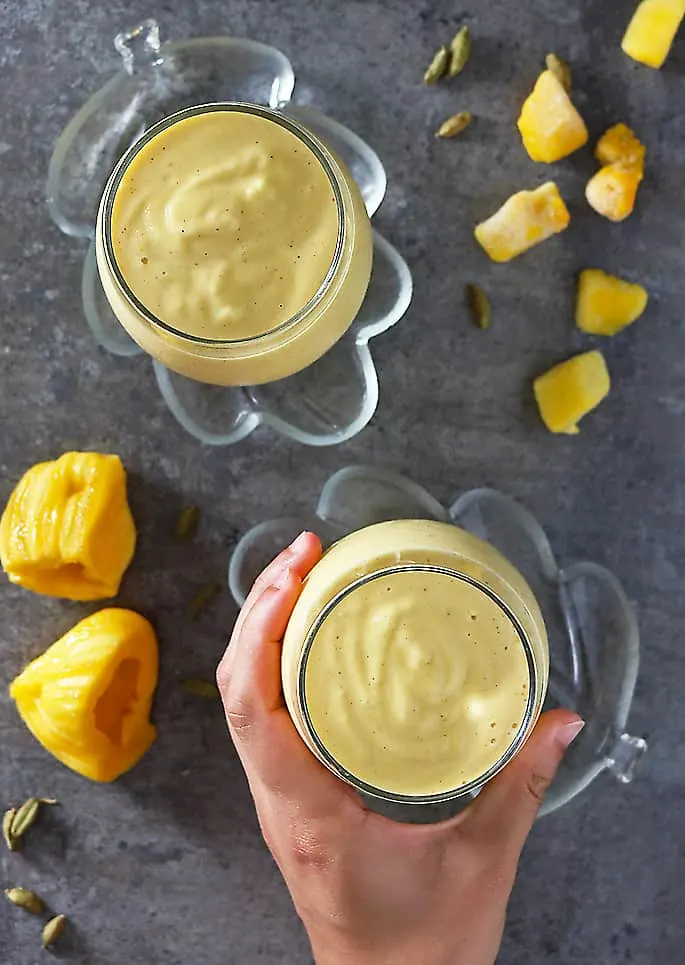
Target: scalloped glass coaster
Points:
(333, 399)
(592, 628)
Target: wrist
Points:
(332, 948)
(329, 947)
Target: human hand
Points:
(371, 891)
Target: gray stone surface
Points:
(167, 867)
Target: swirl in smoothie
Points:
(225, 225)
(417, 682)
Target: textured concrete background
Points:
(167, 867)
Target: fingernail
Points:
(300, 541)
(568, 734)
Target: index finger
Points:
(300, 557)
(272, 752)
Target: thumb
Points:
(504, 812)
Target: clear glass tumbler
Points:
(387, 554)
(290, 346)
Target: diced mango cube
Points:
(525, 220)
(550, 125)
(613, 190)
(569, 391)
(607, 304)
(620, 146)
(652, 30)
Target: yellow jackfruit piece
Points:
(613, 190)
(525, 220)
(652, 30)
(569, 391)
(87, 699)
(550, 125)
(620, 146)
(607, 304)
(67, 529)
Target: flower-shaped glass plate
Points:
(333, 399)
(593, 634)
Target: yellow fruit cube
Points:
(613, 190)
(607, 304)
(525, 220)
(652, 30)
(87, 699)
(569, 391)
(620, 146)
(67, 529)
(550, 125)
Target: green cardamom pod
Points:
(200, 688)
(25, 817)
(455, 124)
(202, 598)
(479, 303)
(437, 67)
(560, 69)
(7, 819)
(186, 523)
(28, 900)
(460, 51)
(53, 930)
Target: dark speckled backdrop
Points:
(167, 866)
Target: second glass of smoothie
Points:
(416, 662)
(232, 245)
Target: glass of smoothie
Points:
(415, 663)
(232, 245)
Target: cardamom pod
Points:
(24, 818)
(479, 303)
(28, 900)
(460, 51)
(53, 930)
(560, 69)
(202, 598)
(187, 522)
(437, 67)
(7, 819)
(455, 124)
(200, 688)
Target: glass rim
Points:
(463, 790)
(122, 166)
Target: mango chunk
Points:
(652, 30)
(87, 699)
(67, 529)
(525, 220)
(550, 125)
(620, 146)
(569, 391)
(613, 190)
(607, 304)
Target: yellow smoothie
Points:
(417, 683)
(225, 225)
(416, 659)
(232, 245)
